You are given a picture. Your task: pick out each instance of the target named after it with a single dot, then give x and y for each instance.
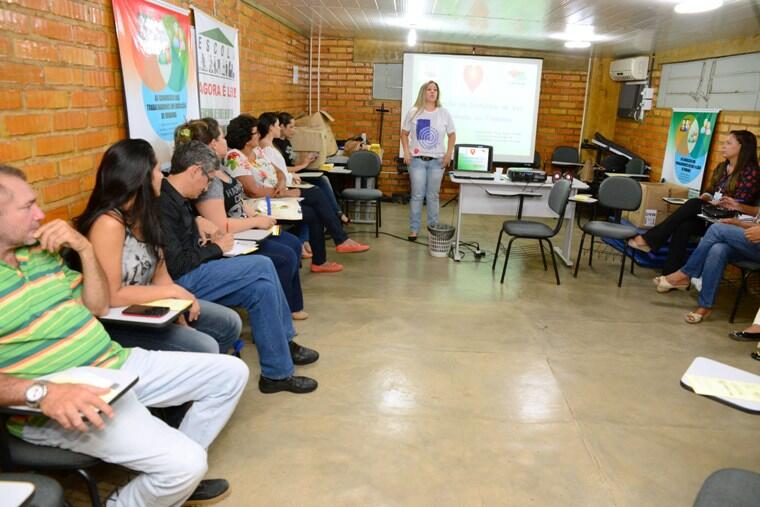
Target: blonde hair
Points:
(419, 104)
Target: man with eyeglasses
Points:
(248, 281)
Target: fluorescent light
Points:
(411, 39)
(577, 44)
(695, 6)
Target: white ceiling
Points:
(624, 26)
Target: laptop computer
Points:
(473, 161)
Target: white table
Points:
(704, 367)
(491, 197)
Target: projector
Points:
(526, 175)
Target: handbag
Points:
(717, 212)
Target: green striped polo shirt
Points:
(44, 327)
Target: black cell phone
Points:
(146, 311)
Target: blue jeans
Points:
(323, 183)
(216, 330)
(425, 178)
(250, 281)
(723, 243)
(285, 252)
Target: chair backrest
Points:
(635, 166)
(558, 200)
(364, 164)
(614, 163)
(565, 154)
(620, 193)
(536, 160)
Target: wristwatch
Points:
(35, 393)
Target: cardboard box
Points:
(314, 134)
(653, 209)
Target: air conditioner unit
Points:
(630, 69)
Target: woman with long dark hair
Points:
(259, 178)
(223, 204)
(735, 184)
(122, 222)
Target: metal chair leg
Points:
(543, 256)
(622, 266)
(496, 253)
(506, 259)
(578, 258)
(379, 212)
(377, 218)
(591, 251)
(742, 289)
(633, 260)
(554, 259)
(92, 487)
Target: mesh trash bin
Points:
(441, 236)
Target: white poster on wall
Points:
(218, 58)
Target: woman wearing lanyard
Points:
(422, 139)
(735, 185)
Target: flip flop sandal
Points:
(694, 317)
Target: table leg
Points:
(565, 252)
(460, 204)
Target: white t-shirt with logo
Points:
(428, 132)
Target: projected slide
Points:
(493, 100)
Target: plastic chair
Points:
(536, 230)
(47, 491)
(365, 167)
(19, 454)
(635, 166)
(616, 194)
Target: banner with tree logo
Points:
(688, 146)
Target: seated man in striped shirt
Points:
(47, 326)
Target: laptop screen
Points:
(473, 158)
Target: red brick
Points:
(104, 118)
(86, 99)
(13, 21)
(60, 190)
(20, 73)
(77, 56)
(12, 151)
(41, 171)
(52, 145)
(46, 99)
(87, 183)
(51, 29)
(60, 212)
(10, 98)
(34, 50)
(90, 37)
(63, 75)
(68, 120)
(75, 165)
(93, 139)
(27, 124)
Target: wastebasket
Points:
(441, 236)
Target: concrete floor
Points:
(440, 386)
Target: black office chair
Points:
(536, 160)
(17, 454)
(635, 166)
(365, 167)
(617, 194)
(47, 491)
(536, 230)
(566, 158)
(747, 268)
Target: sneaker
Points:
(293, 384)
(327, 267)
(208, 492)
(358, 247)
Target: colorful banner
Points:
(218, 68)
(688, 145)
(158, 65)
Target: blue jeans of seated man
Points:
(170, 462)
(216, 330)
(723, 243)
(425, 178)
(250, 281)
(285, 252)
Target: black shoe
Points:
(293, 384)
(208, 492)
(302, 355)
(755, 356)
(412, 238)
(741, 336)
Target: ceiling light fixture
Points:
(411, 38)
(695, 6)
(577, 44)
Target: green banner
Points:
(688, 146)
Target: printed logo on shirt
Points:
(426, 135)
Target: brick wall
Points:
(346, 93)
(61, 95)
(649, 137)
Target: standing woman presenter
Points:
(425, 127)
